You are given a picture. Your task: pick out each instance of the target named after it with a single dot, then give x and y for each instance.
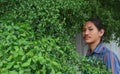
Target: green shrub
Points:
(37, 37)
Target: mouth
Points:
(86, 37)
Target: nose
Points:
(86, 32)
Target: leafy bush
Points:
(37, 37)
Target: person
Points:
(93, 33)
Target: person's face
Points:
(90, 33)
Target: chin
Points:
(88, 42)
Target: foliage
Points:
(113, 7)
(37, 37)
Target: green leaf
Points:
(27, 63)
(9, 58)
(16, 48)
(16, 66)
(59, 73)
(21, 52)
(1, 64)
(13, 72)
(15, 54)
(9, 65)
(52, 72)
(37, 72)
(30, 53)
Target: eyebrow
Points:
(88, 27)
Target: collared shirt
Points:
(109, 58)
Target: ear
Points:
(101, 32)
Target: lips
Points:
(87, 37)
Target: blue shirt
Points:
(109, 58)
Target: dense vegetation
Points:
(37, 37)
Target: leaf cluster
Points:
(37, 37)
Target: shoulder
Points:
(108, 54)
(108, 51)
(111, 60)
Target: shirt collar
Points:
(96, 50)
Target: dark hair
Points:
(97, 22)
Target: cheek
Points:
(96, 36)
(95, 32)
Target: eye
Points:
(83, 30)
(90, 29)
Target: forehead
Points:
(89, 24)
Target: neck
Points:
(93, 45)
